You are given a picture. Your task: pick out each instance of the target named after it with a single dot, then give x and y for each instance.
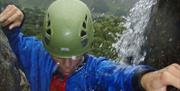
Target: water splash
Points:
(130, 44)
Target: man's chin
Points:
(67, 74)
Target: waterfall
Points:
(131, 42)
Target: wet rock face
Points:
(9, 75)
(163, 33)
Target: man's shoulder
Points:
(96, 60)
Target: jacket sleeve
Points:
(24, 47)
(116, 77)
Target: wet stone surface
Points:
(9, 75)
(163, 35)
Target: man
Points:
(63, 64)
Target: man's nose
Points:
(67, 63)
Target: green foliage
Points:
(4, 3)
(100, 6)
(33, 24)
(42, 4)
(113, 7)
(106, 31)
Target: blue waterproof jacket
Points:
(98, 74)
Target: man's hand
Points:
(11, 17)
(159, 80)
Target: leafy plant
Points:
(107, 29)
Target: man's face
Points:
(68, 65)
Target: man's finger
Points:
(14, 18)
(9, 8)
(6, 10)
(177, 66)
(169, 79)
(174, 71)
(5, 18)
(13, 25)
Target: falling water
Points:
(130, 44)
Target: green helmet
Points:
(68, 28)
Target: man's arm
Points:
(137, 78)
(159, 80)
(27, 49)
(115, 77)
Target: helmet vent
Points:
(86, 18)
(46, 40)
(83, 33)
(84, 42)
(48, 15)
(49, 23)
(84, 25)
(49, 31)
